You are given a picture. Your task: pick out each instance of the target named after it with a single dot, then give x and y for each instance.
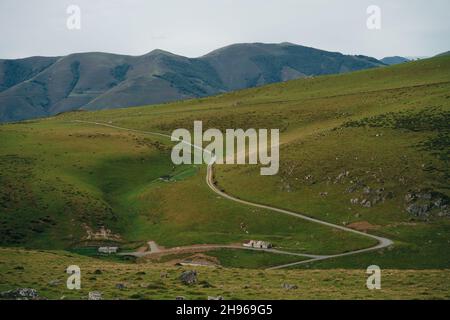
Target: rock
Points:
(20, 294)
(410, 197)
(367, 190)
(180, 298)
(426, 196)
(121, 286)
(324, 194)
(215, 298)
(418, 210)
(443, 213)
(376, 200)
(367, 204)
(354, 201)
(54, 283)
(95, 295)
(163, 275)
(288, 286)
(189, 277)
(438, 202)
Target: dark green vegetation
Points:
(38, 87)
(368, 150)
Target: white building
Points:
(258, 244)
(108, 250)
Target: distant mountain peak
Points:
(394, 60)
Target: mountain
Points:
(443, 54)
(13, 72)
(38, 86)
(394, 60)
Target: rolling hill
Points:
(39, 87)
(368, 150)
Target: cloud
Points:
(193, 28)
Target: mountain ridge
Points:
(43, 86)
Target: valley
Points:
(363, 162)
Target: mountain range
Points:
(43, 86)
(394, 60)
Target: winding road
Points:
(382, 242)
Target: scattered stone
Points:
(180, 298)
(121, 286)
(367, 204)
(54, 283)
(324, 194)
(20, 294)
(163, 275)
(418, 210)
(288, 286)
(425, 196)
(189, 277)
(215, 298)
(376, 200)
(367, 190)
(95, 295)
(354, 201)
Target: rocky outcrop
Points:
(427, 203)
(20, 294)
(189, 277)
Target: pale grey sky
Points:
(195, 27)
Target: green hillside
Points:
(368, 150)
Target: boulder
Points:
(121, 286)
(418, 210)
(288, 286)
(189, 277)
(95, 295)
(54, 283)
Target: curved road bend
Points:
(382, 242)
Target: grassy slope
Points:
(57, 175)
(79, 175)
(308, 112)
(36, 269)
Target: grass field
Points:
(368, 150)
(45, 271)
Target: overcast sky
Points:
(195, 27)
